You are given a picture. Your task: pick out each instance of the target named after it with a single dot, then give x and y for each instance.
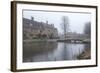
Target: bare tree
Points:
(65, 25)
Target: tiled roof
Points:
(36, 24)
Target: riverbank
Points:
(85, 54)
(55, 40)
(40, 40)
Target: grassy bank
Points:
(40, 40)
(86, 54)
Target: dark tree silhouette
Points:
(87, 29)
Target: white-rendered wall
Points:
(5, 37)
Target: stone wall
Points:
(34, 30)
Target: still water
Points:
(51, 51)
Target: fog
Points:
(76, 20)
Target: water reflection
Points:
(51, 51)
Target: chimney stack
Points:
(46, 22)
(32, 18)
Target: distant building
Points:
(33, 29)
(74, 35)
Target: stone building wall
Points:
(33, 29)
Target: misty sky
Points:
(76, 20)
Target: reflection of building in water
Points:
(34, 29)
(39, 51)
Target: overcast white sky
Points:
(76, 20)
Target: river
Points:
(52, 51)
